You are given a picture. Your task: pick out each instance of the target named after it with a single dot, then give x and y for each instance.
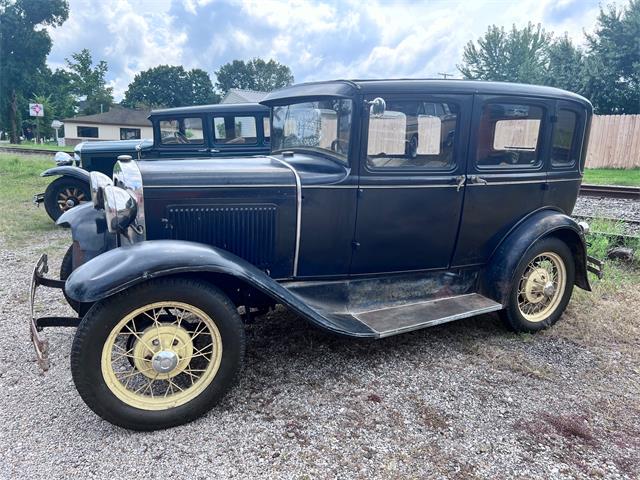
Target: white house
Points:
(118, 123)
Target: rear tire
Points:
(542, 287)
(63, 194)
(164, 350)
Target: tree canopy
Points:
(607, 71)
(24, 47)
(170, 86)
(255, 74)
(88, 81)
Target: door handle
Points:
(460, 181)
(478, 179)
(214, 150)
(203, 150)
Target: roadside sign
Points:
(36, 110)
(56, 124)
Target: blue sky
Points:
(317, 39)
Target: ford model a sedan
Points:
(200, 131)
(386, 206)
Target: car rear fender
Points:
(497, 279)
(124, 267)
(69, 171)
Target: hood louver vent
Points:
(248, 231)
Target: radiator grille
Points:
(246, 231)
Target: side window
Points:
(413, 134)
(233, 130)
(266, 125)
(181, 131)
(508, 135)
(564, 151)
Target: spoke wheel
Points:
(152, 356)
(63, 194)
(69, 198)
(165, 364)
(541, 286)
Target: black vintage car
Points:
(343, 224)
(200, 131)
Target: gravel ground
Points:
(463, 400)
(612, 208)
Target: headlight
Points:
(63, 158)
(98, 182)
(120, 208)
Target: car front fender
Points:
(88, 231)
(124, 267)
(497, 279)
(70, 171)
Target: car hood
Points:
(216, 172)
(119, 146)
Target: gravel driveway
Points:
(463, 400)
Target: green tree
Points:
(89, 81)
(170, 86)
(255, 74)
(513, 56)
(566, 67)
(24, 46)
(613, 60)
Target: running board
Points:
(404, 318)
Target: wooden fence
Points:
(614, 142)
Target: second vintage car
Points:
(200, 131)
(373, 216)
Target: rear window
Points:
(232, 130)
(564, 150)
(180, 131)
(509, 135)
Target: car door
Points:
(411, 183)
(506, 174)
(240, 133)
(181, 136)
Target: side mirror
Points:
(63, 158)
(377, 107)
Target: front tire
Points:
(66, 269)
(159, 354)
(542, 287)
(63, 194)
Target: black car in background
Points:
(199, 131)
(342, 224)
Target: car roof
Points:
(349, 88)
(215, 108)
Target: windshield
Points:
(323, 126)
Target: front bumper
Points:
(36, 324)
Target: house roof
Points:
(116, 115)
(238, 95)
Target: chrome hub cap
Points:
(164, 361)
(69, 198)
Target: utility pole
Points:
(446, 75)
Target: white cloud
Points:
(317, 39)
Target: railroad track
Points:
(28, 151)
(610, 191)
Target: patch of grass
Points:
(38, 146)
(19, 180)
(612, 176)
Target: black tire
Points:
(512, 316)
(66, 268)
(58, 189)
(104, 316)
